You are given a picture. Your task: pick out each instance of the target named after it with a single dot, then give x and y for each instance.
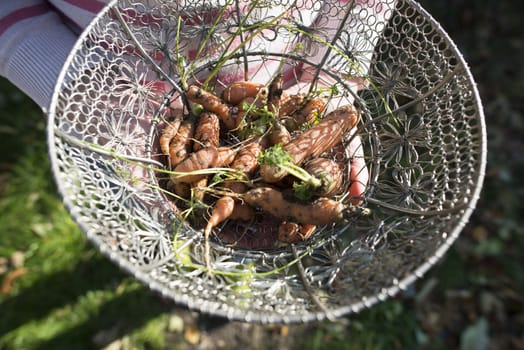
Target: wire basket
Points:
(422, 139)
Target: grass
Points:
(69, 293)
(72, 297)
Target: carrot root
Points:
(221, 211)
(202, 159)
(207, 132)
(321, 211)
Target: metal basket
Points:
(422, 130)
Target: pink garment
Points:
(36, 36)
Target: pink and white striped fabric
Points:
(36, 36)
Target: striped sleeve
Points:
(35, 40)
(78, 13)
(33, 46)
(36, 36)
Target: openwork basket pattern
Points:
(422, 130)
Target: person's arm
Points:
(34, 43)
(77, 14)
(35, 40)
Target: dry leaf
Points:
(7, 284)
(192, 334)
(475, 336)
(175, 324)
(17, 259)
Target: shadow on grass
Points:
(118, 316)
(127, 311)
(56, 290)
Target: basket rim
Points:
(216, 308)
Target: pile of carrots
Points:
(255, 150)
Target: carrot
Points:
(207, 132)
(202, 159)
(194, 145)
(358, 173)
(207, 99)
(211, 102)
(329, 173)
(198, 188)
(291, 232)
(246, 158)
(279, 134)
(242, 211)
(290, 104)
(226, 155)
(180, 144)
(321, 211)
(287, 231)
(237, 91)
(305, 115)
(222, 210)
(246, 163)
(170, 131)
(315, 141)
(235, 186)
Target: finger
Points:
(358, 173)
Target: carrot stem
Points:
(276, 156)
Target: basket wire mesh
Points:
(422, 139)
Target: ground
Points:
(59, 292)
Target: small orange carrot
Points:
(306, 114)
(291, 232)
(226, 155)
(321, 211)
(242, 211)
(246, 158)
(207, 132)
(237, 91)
(359, 173)
(207, 99)
(245, 162)
(198, 188)
(235, 186)
(202, 159)
(211, 102)
(170, 131)
(279, 134)
(315, 141)
(290, 104)
(222, 210)
(328, 172)
(181, 144)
